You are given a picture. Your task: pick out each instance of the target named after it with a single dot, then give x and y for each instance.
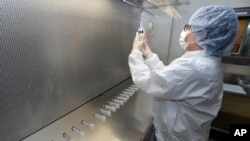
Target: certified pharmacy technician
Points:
(188, 92)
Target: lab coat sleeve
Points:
(150, 81)
(154, 63)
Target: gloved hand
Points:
(137, 44)
(142, 46)
(146, 51)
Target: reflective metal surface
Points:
(89, 123)
(56, 55)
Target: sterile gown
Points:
(187, 93)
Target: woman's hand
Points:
(142, 45)
(137, 44)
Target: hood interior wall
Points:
(57, 55)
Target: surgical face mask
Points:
(183, 35)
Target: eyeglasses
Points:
(186, 27)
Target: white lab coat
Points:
(187, 93)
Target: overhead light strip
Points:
(166, 5)
(139, 7)
(132, 4)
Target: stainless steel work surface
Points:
(127, 122)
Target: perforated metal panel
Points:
(56, 55)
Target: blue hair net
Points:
(220, 23)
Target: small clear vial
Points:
(141, 33)
(105, 112)
(109, 108)
(77, 131)
(120, 102)
(88, 124)
(121, 98)
(114, 104)
(99, 116)
(67, 137)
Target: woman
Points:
(188, 92)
